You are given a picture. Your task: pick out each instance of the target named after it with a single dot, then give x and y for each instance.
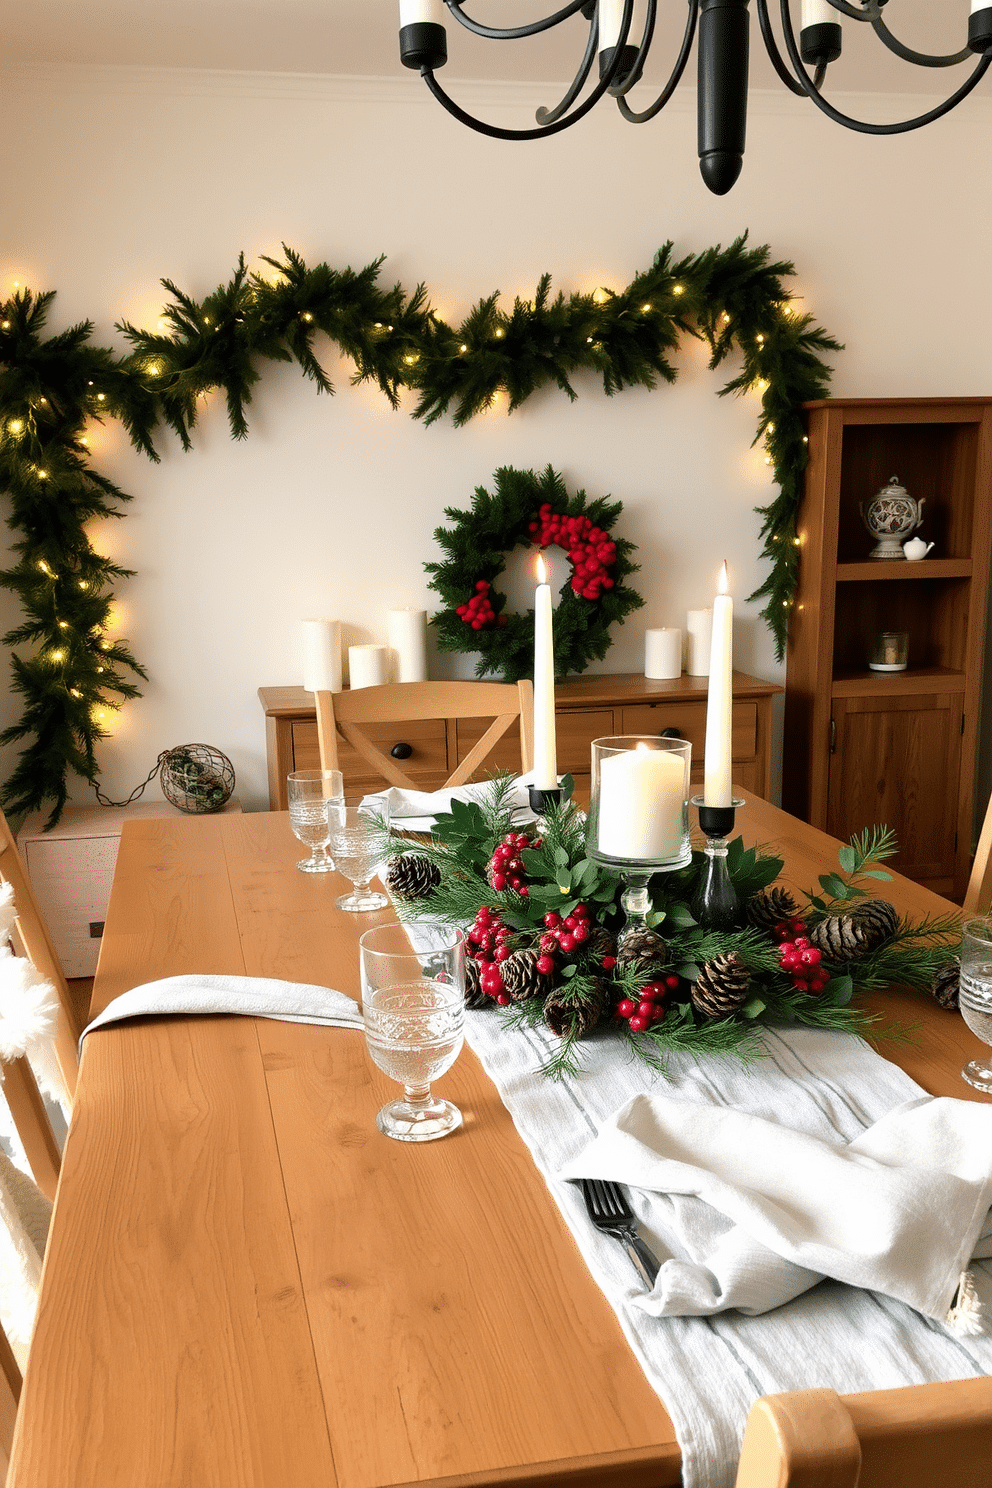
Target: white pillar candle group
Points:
(322, 655)
(407, 632)
(662, 654)
(720, 701)
(641, 803)
(368, 666)
(698, 641)
(545, 740)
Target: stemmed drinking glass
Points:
(356, 845)
(976, 996)
(310, 792)
(413, 1003)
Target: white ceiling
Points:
(359, 37)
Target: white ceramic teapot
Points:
(916, 549)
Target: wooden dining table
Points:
(247, 1286)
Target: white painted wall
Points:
(116, 178)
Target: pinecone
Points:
(412, 877)
(645, 948)
(600, 944)
(848, 937)
(946, 984)
(721, 987)
(521, 977)
(770, 908)
(474, 995)
(569, 1012)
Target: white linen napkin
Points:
(416, 811)
(900, 1210)
(251, 997)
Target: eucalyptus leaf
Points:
(877, 873)
(839, 991)
(848, 859)
(753, 1008)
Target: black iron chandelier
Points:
(723, 29)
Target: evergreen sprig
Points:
(734, 297)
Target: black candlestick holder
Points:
(540, 800)
(715, 903)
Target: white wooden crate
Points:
(71, 869)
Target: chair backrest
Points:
(30, 938)
(398, 702)
(978, 899)
(917, 1437)
(10, 1394)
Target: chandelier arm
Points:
(494, 131)
(621, 89)
(551, 116)
(633, 116)
(774, 55)
(921, 59)
(904, 125)
(513, 33)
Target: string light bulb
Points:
(500, 333)
(57, 655)
(600, 296)
(645, 309)
(463, 347)
(45, 568)
(63, 625)
(725, 318)
(84, 584)
(74, 692)
(307, 316)
(15, 426)
(6, 325)
(678, 289)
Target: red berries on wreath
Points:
(479, 611)
(589, 548)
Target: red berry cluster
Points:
(800, 958)
(589, 549)
(505, 868)
(651, 1008)
(479, 611)
(488, 941)
(563, 935)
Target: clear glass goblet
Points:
(356, 846)
(413, 1002)
(309, 793)
(976, 996)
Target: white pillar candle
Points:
(407, 631)
(322, 655)
(641, 804)
(699, 639)
(545, 741)
(662, 654)
(368, 666)
(412, 12)
(720, 701)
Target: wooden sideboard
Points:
(587, 708)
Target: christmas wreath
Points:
(531, 508)
(547, 941)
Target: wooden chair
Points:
(10, 1394)
(400, 702)
(978, 899)
(27, 1107)
(918, 1437)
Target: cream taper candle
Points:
(720, 701)
(407, 630)
(322, 655)
(545, 741)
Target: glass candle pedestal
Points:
(639, 814)
(715, 904)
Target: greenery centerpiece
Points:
(546, 943)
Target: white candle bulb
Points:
(322, 655)
(720, 701)
(545, 743)
(819, 13)
(413, 12)
(610, 22)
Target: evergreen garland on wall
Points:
(733, 297)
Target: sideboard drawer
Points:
(575, 733)
(428, 764)
(690, 720)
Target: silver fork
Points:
(610, 1212)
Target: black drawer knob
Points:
(401, 751)
(670, 733)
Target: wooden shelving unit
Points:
(899, 748)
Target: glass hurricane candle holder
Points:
(639, 813)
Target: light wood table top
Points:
(247, 1286)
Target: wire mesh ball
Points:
(196, 778)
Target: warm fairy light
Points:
(104, 645)
(84, 584)
(762, 384)
(723, 582)
(84, 440)
(74, 692)
(6, 325)
(760, 340)
(600, 296)
(463, 348)
(153, 370)
(99, 669)
(389, 328)
(499, 332)
(57, 655)
(42, 474)
(15, 426)
(768, 459)
(63, 625)
(645, 309)
(101, 397)
(797, 542)
(206, 320)
(42, 402)
(541, 569)
(805, 439)
(588, 340)
(725, 318)
(378, 325)
(412, 359)
(678, 289)
(44, 567)
(307, 316)
(770, 428)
